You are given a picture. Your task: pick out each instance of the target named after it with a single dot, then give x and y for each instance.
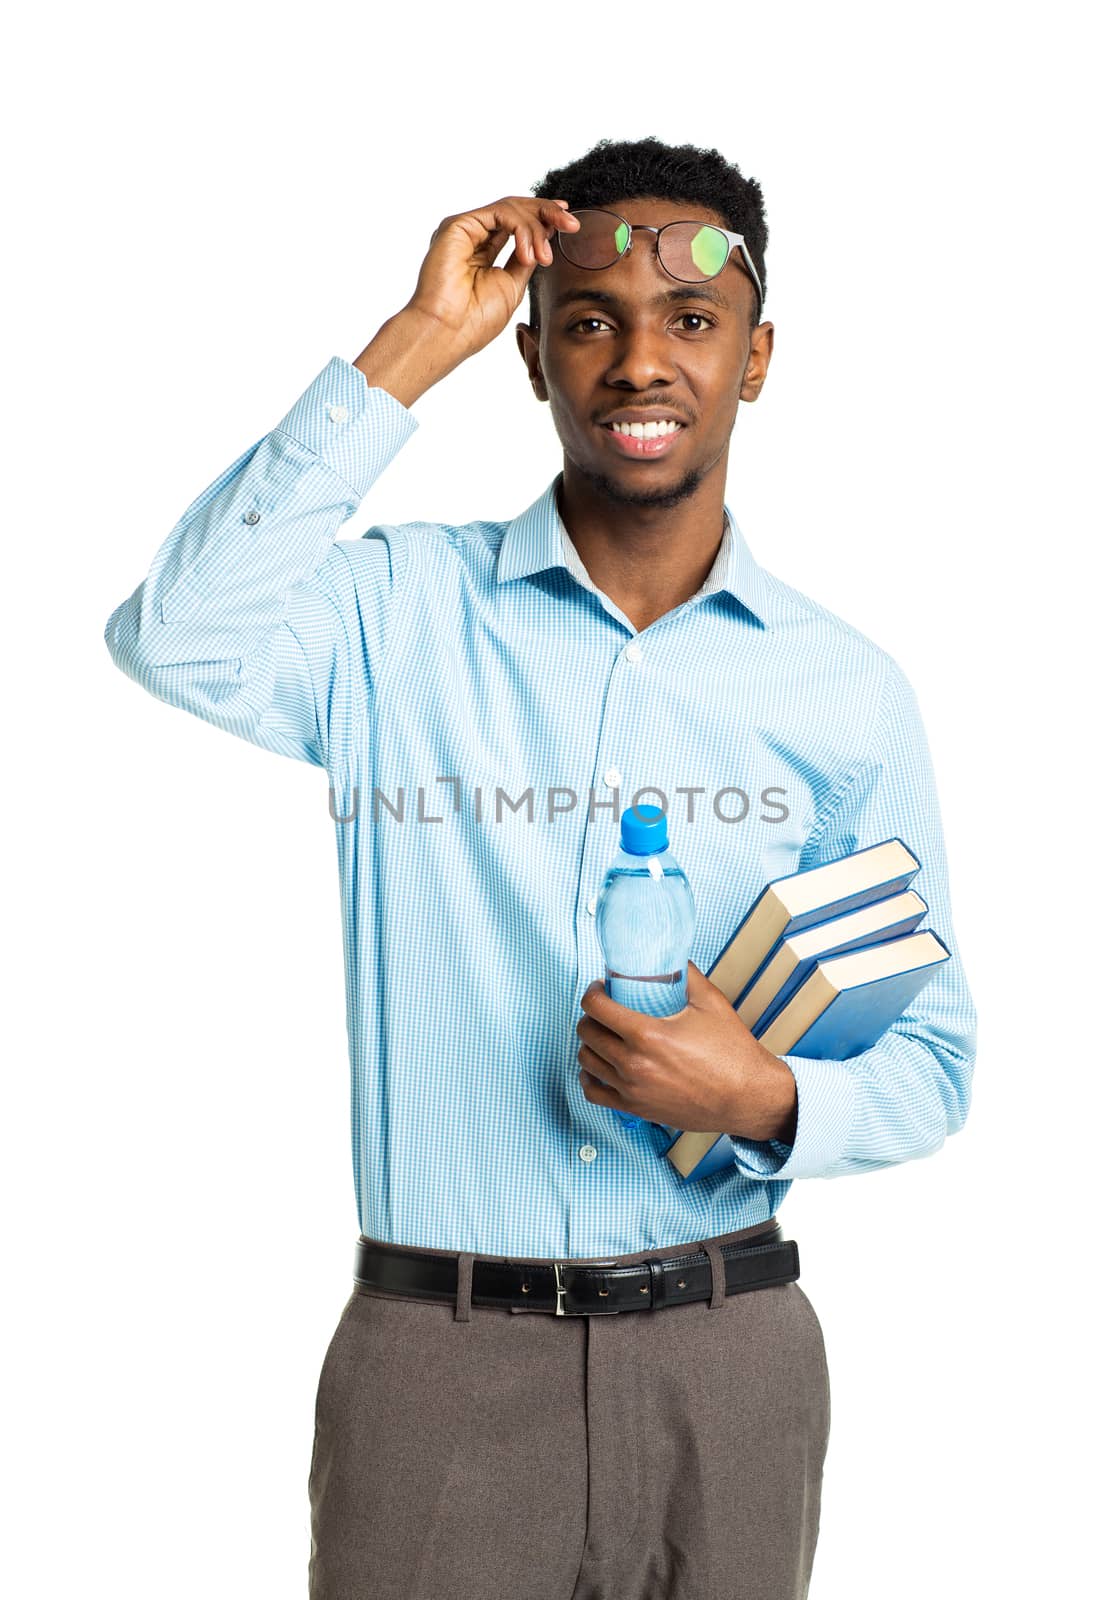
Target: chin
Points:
(633, 490)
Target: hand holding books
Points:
(821, 965)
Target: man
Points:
(486, 699)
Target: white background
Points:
(208, 204)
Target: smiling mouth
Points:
(629, 445)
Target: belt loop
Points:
(462, 1292)
(716, 1269)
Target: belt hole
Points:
(602, 1293)
(682, 1283)
(645, 1288)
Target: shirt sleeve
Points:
(253, 616)
(901, 1098)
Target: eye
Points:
(698, 316)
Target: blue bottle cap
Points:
(643, 830)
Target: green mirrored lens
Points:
(709, 249)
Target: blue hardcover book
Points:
(800, 899)
(850, 1001)
(796, 957)
(844, 1007)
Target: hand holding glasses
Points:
(462, 300)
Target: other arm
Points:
(904, 1096)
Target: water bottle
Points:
(645, 922)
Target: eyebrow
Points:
(693, 291)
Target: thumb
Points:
(701, 992)
(519, 271)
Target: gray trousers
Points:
(468, 1452)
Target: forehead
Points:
(656, 212)
(638, 279)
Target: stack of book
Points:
(821, 965)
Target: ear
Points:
(759, 359)
(527, 342)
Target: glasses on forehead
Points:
(692, 252)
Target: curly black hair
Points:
(629, 169)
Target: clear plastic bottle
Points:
(645, 922)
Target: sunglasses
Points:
(692, 252)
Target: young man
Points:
(486, 699)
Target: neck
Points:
(648, 558)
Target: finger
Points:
(598, 1094)
(522, 262)
(596, 1065)
(622, 1020)
(492, 244)
(702, 991)
(503, 218)
(564, 224)
(516, 228)
(508, 217)
(519, 271)
(553, 216)
(603, 1042)
(559, 213)
(486, 248)
(592, 1073)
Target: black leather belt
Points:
(571, 1288)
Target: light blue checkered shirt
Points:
(427, 667)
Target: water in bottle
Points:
(645, 922)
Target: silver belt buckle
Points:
(561, 1290)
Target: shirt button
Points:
(252, 517)
(613, 778)
(634, 652)
(338, 413)
(591, 904)
(587, 1152)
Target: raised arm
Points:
(243, 618)
(252, 615)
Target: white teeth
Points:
(644, 430)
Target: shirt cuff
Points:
(354, 429)
(826, 1111)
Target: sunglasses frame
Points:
(735, 241)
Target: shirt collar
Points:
(537, 540)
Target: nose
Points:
(640, 363)
(640, 356)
